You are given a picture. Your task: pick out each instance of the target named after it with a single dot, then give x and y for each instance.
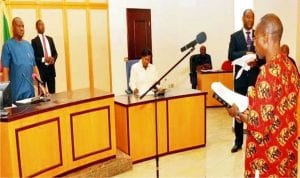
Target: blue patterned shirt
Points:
(18, 56)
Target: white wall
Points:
(239, 8)
(177, 22)
(287, 12)
(174, 23)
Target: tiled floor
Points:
(214, 160)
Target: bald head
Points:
(18, 28)
(270, 24)
(267, 36)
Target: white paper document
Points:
(35, 99)
(24, 101)
(243, 62)
(228, 97)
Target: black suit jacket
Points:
(198, 59)
(238, 48)
(39, 54)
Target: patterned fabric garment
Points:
(271, 146)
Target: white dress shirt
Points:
(142, 78)
(47, 47)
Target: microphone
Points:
(40, 84)
(35, 77)
(36, 99)
(200, 38)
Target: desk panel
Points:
(50, 139)
(180, 115)
(142, 131)
(186, 119)
(36, 158)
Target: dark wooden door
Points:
(138, 31)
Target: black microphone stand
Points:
(156, 119)
(158, 81)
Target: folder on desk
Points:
(227, 97)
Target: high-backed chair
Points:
(129, 64)
(193, 73)
(226, 65)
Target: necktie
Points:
(248, 41)
(44, 45)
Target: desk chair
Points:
(129, 64)
(226, 65)
(193, 73)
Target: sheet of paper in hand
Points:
(243, 62)
(227, 97)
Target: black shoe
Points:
(235, 148)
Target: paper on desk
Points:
(210, 70)
(243, 62)
(24, 101)
(230, 96)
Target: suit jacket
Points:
(238, 48)
(198, 59)
(39, 54)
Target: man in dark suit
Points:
(45, 56)
(199, 62)
(241, 43)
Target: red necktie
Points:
(45, 48)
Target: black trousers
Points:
(239, 127)
(49, 81)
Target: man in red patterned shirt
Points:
(271, 147)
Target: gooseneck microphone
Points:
(35, 77)
(200, 38)
(40, 84)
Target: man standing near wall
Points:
(241, 43)
(45, 56)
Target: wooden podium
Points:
(181, 118)
(205, 79)
(49, 139)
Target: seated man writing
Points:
(143, 74)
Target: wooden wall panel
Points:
(81, 34)
(99, 1)
(100, 49)
(78, 49)
(53, 19)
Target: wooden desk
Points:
(48, 139)
(205, 79)
(181, 118)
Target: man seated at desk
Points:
(143, 74)
(199, 62)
